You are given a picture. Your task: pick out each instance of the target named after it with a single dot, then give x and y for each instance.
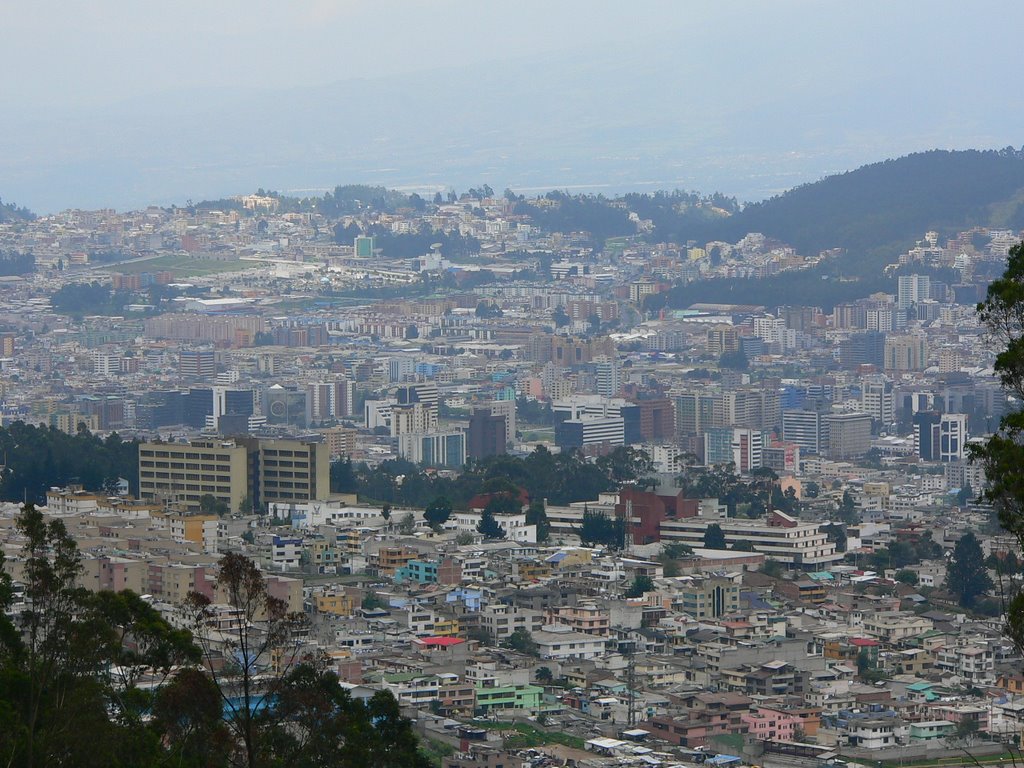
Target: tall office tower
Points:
(906, 353)
(806, 429)
(747, 449)
(912, 289)
(849, 434)
(695, 412)
(232, 402)
(609, 375)
(506, 409)
(197, 406)
(197, 363)
(344, 398)
(319, 402)
(416, 410)
(718, 446)
(434, 449)
(657, 419)
(6, 345)
(878, 399)
(952, 436)
(722, 339)
(866, 348)
(926, 434)
(486, 434)
(424, 392)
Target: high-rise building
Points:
(848, 434)
(506, 409)
(722, 339)
(911, 290)
(284, 471)
(197, 364)
(231, 402)
(486, 435)
(878, 399)
(718, 446)
(657, 419)
(747, 447)
(866, 348)
(905, 353)
(695, 412)
(926, 434)
(805, 428)
(6, 345)
(401, 369)
(608, 375)
(284, 406)
(952, 436)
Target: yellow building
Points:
(199, 529)
(185, 472)
(390, 559)
(336, 603)
(287, 471)
(446, 626)
(531, 570)
(262, 471)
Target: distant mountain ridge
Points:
(894, 200)
(873, 213)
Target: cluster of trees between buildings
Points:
(102, 679)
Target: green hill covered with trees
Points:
(11, 212)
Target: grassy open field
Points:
(184, 266)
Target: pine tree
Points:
(714, 537)
(489, 526)
(966, 576)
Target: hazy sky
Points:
(78, 50)
(75, 51)
(123, 102)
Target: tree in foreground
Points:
(1002, 455)
(71, 661)
(237, 644)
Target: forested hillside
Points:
(11, 212)
(893, 200)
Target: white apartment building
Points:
(501, 620)
(780, 537)
(515, 526)
(557, 641)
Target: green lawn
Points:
(184, 266)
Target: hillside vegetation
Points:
(11, 212)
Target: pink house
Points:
(772, 724)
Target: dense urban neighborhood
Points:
(502, 463)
